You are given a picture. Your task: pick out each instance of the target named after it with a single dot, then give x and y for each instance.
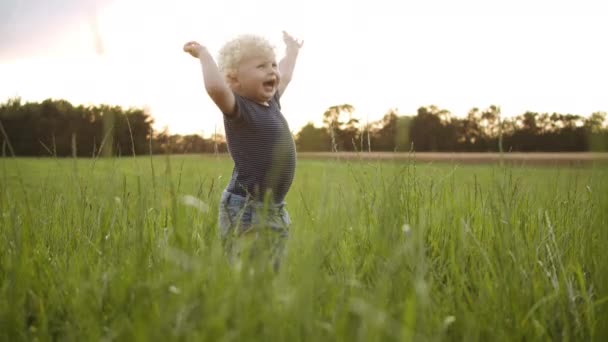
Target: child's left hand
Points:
(291, 42)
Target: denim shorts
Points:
(239, 215)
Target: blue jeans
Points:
(242, 219)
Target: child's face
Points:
(257, 78)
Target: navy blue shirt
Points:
(262, 147)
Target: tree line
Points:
(437, 130)
(58, 128)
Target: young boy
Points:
(246, 85)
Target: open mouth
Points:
(269, 84)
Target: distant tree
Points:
(490, 120)
(391, 133)
(428, 130)
(403, 142)
(596, 132)
(596, 122)
(384, 132)
(311, 138)
(342, 127)
(469, 130)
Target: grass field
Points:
(395, 251)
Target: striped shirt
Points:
(262, 148)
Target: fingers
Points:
(291, 40)
(192, 48)
(190, 45)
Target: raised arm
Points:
(288, 63)
(215, 84)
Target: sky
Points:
(538, 55)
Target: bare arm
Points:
(288, 63)
(215, 85)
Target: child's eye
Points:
(260, 66)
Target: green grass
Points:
(105, 250)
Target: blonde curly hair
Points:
(233, 52)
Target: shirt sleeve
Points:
(241, 111)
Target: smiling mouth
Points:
(269, 84)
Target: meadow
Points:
(126, 249)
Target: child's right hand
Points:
(193, 48)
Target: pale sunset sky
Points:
(539, 55)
